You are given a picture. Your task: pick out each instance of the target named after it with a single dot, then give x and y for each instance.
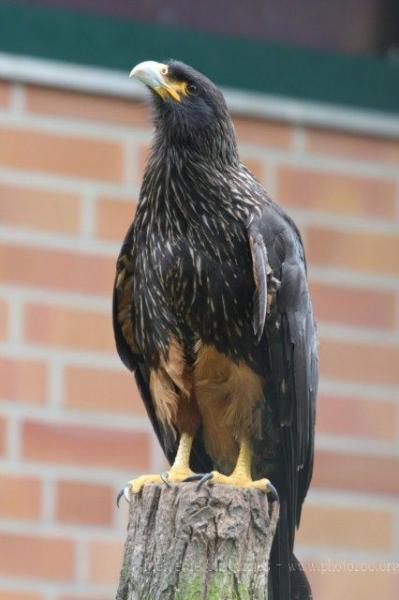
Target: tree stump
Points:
(184, 544)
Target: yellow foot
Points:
(239, 480)
(171, 476)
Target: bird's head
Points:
(190, 111)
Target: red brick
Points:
(3, 431)
(47, 101)
(349, 580)
(16, 595)
(358, 417)
(39, 209)
(362, 147)
(69, 328)
(20, 497)
(255, 166)
(61, 154)
(82, 597)
(336, 193)
(262, 132)
(362, 251)
(84, 503)
(36, 556)
(102, 390)
(356, 472)
(82, 445)
(3, 320)
(105, 561)
(142, 159)
(113, 218)
(354, 306)
(5, 90)
(56, 269)
(23, 380)
(359, 362)
(345, 527)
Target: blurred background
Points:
(314, 90)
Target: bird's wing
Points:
(290, 335)
(122, 316)
(260, 270)
(122, 306)
(129, 352)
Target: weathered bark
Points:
(184, 544)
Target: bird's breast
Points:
(206, 289)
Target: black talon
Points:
(195, 477)
(203, 480)
(200, 477)
(123, 492)
(118, 498)
(272, 491)
(164, 477)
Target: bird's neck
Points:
(184, 188)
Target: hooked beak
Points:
(155, 76)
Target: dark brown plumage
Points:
(211, 305)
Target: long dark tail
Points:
(300, 586)
(287, 579)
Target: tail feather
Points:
(287, 579)
(279, 566)
(300, 586)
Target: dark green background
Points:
(104, 41)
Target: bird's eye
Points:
(192, 89)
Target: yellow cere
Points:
(176, 89)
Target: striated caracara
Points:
(212, 312)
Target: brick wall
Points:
(72, 427)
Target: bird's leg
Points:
(181, 465)
(241, 475)
(179, 471)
